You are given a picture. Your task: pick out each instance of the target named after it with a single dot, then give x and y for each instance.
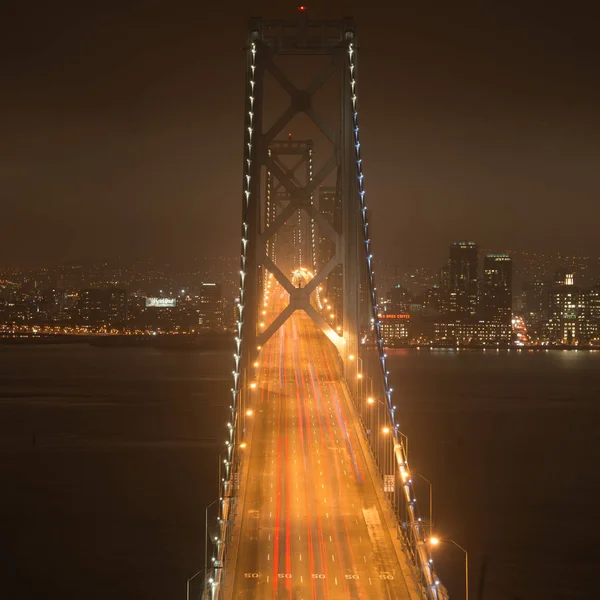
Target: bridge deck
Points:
(312, 524)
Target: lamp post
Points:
(187, 585)
(358, 381)
(405, 440)
(242, 407)
(372, 401)
(430, 500)
(435, 541)
(368, 393)
(388, 459)
(206, 534)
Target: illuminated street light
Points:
(243, 445)
(249, 412)
(256, 364)
(189, 581)
(351, 357)
(385, 430)
(359, 376)
(436, 541)
(430, 504)
(370, 400)
(253, 385)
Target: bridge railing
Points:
(220, 528)
(388, 447)
(386, 441)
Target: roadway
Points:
(312, 525)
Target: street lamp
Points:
(434, 541)
(388, 459)
(187, 585)
(430, 502)
(252, 386)
(205, 538)
(405, 440)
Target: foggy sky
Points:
(121, 126)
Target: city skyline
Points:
(472, 300)
(250, 258)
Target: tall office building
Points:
(534, 299)
(399, 300)
(589, 328)
(496, 288)
(462, 279)
(565, 309)
(210, 311)
(574, 312)
(103, 307)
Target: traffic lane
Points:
(374, 532)
(259, 481)
(311, 525)
(258, 521)
(324, 500)
(342, 578)
(318, 456)
(357, 495)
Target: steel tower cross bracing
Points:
(337, 41)
(268, 39)
(277, 198)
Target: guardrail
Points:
(411, 527)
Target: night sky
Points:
(121, 126)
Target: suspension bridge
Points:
(316, 494)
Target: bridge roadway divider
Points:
(389, 518)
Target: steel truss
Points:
(303, 37)
(277, 197)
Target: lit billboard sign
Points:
(394, 316)
(161, 302)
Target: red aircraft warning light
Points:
(302, 8)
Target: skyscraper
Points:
(399, 299)
(534, 298)
(462, 279)
(496, 292)
(103, 307)
(210, 311)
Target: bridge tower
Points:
(336, 41)
(273, 194)
(300, 242)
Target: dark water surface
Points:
(108, 458)
(511, 442)
(109, 503)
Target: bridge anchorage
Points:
(316, 495)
